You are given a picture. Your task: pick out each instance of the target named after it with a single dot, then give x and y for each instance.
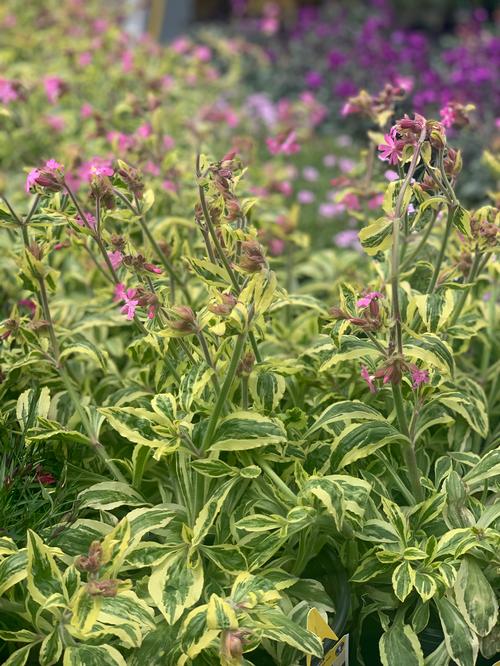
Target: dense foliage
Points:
(209, 426)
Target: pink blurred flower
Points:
(310, 174)
(84, 59)
(391, 175)
(7, 92)
(53, 86)
(283, 144)
(89, 221)
(153, 269)
(126, 295)
(448, 115)
(202, 53)
(180, 45)
(276, 246)
(348, 238)
(305, 197)
(285, 187)
(329, 160)
(115, 258)
(169, 186)
(351, 201)
(127, 61)
(57, 123)
(152, 168)
(375, 201)
(144, 131)
(31, 179)
(168, 142)
(86, 110)
(346, 165)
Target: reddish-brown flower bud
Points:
(90, 563)
(246, 364)
(252, 259)
(185, 322)
(103, 588)
(224, 308)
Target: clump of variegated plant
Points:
(228, 436)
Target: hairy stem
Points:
(409, 449)
(224, 392)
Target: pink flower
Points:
(152, 168)
(99, 170)
(28, 303)
(276, 246)
(153, 269)
(169, 186)
(144, 131)
(7, 92)
(351, 201)
(89, 221)
(86, 110)
(285, 187)
(310, 174)
(115, 258)
(392, 149)
(376, 201)
(419, 376)
(368, 379)
(347, 239)
(84, 59)
(168, 142)
(126, 295)
(346, 164)
(305, 196)
(448, 115)
(283, 144)
(151, 312)
(202, 53)
(391, 175)
(366, 300)
(57, 123)
(329, 160)
(180, 45)
(53, 86)
(31, 179)
(127, 61)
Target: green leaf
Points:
(368, 568)
(13, 570)
(127, 607)
(220, 614)
(195, 635)
(31, 405)
(475, 597)
(226, 557)
(461, 220)
(487, 468)
(357, 441)
(433, 351)
(110, 495)
(377, 237)
(400, 645)
(471, 408)
(275, 625)
(245, 430)
(460, 641)
(266, 388)
(85, 610)
(345, 411)
(403, 579)
(351, 348)
(19, 657)
(139, 426)
(435, 309)
(93, 655)
(425, 585)
(176, 584)
(83, 347)
(146, 520)
(43, 575)
(208, 514)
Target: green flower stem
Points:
(224, 392)
(398, 214)
(473, 273)
(221, 253)
(244, 391)
(266, 467)
(408, 450)
(444, 243)
(96, 237)
(208, 358)
(409, 260)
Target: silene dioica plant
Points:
(244, 452)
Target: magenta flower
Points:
(84, 59)
(202, 53)
(305, 196)
(153, 269)
(89, 221)
(53, 165)
(365, 301)
(276, 246)
(53, 86)
(31, 179)
(7, 92)
(392, 149)
(283, 144)
(368, 379)
(86, 110)
(448, 115)
(99, 170)
(144, 131)
(126, 295)
(418, 376)
(115, 258)
(347, 239)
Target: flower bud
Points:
(225, 308)
(246, 364)
(186, 322)
(103, 588)
(92, 562)
(252, 259)
(132, 177)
